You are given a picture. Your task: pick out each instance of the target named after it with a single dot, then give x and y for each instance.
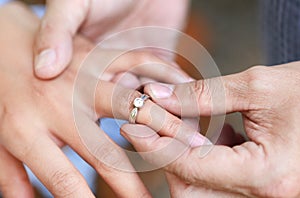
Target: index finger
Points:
(139, 63)
(118, 103)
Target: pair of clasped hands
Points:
(37, 118)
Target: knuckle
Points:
(259, 79)
(201, 89)
(65, 183)
(260, 84)
(256, 70)
(12, 132)
(202, 93)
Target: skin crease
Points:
(97, 19)
(265, 166)
(37, 118)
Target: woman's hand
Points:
(97, 19)
(265, 166)
(37, 117)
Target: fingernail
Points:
(161, 91)
(45, 59)
(190, 79)
(197, 140)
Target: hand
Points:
(179, 187)
(265, 166)
(37, 118)
(96, 19)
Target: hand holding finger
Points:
(204, 97)
(118, 102)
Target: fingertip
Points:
(159, 90)
(45, 63)
(53, 52)
(51, 63)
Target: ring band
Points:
(137, 103)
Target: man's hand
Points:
(96, 19)
(265, 166)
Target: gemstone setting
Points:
(138, 102)
(134, 112)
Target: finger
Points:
(50, 165)
(204, 97)
(212, 166)
(118, 103)
(56, 172)
(147, 65)
(127, 80)
(107, 158)
(146, 80)
(53, 46)
(166, 149)
(14, 181)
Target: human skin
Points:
(265, 166)
(97, 19)
(37, 117)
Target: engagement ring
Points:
(137, 103)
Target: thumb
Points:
(53, 45)
(221, 167)
(204, 97)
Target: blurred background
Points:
(231, 31)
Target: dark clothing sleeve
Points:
(281, 25)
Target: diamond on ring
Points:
(137, 103)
